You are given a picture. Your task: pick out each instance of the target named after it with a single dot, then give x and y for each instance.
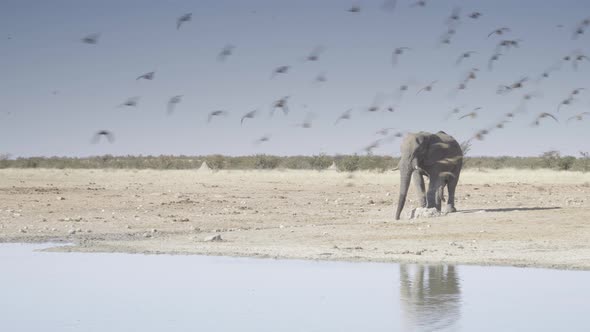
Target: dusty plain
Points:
(538, 218)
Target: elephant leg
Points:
(433, 188)
(452, 185)
(418, 180)
(440, 194)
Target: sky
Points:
(56, 91)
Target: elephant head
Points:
(414, 151)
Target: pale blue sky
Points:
(41, 52)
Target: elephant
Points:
(439, 157)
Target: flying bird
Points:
(507, 44)
(91, 39)
(282, 104)
(172, 102)
(183, 19)
(397, 53)
(307, 122)
(249, 115)
(542, 116)
(321, 78)
(578, 117)
(107, 134)
(499, 31)
(279, 70)
(262, 139)
(216, 113)
(315, 54)
(475, 15)
(578, 58)
(427, 88)
(419, 3)
(493, 58)
(464, 56)
(354, 9)
(344, 116)
(225, 52)
(131, 102)
(455, 16)
(472, 114)
(566, 102)
(147, 76)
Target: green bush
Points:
(266, 162)
(320, 162)
(350, 163)
(216, 161)
(566, 163)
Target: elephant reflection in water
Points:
(430, 297)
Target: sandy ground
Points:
(506, 217)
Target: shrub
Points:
(216, 161)
(320, 162)
(266, 162)
(350, 163)
(550, 159)
(566, 163)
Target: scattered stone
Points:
(22, 230)
(214, 238)
(147, 235)
(60, 198)
(154, 230)
(72, 231)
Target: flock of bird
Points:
(503, 47)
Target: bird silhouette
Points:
(215, 113)
(472, 114)
(354, 9)
(464, 56)
(315, 54)
(248, 115)
(282, 104)
(130, 102)
(172, 102)
(225, 52)
(279, 70)
(91, 39)
(147, 76)
(578, 117)
(499, 32)
(183, 19)
(103, 133)
(397, 53)
(344, 116)
(262, 139)
(475, 15)
(566, 102)
(427, 88)
(495, 57)
(307, 122)
(543, 116)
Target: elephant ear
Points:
(422, 146)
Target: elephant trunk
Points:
(406, 170)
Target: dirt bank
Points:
(507, 217)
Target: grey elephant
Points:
(437, 156)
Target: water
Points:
(42, 291)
